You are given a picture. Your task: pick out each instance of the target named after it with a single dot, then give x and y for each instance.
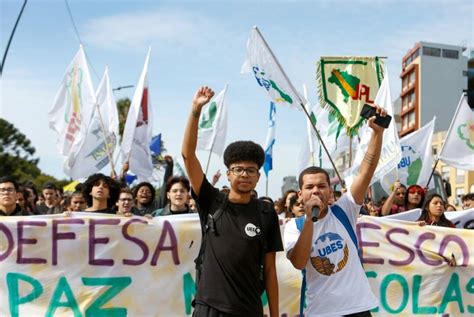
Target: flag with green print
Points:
(345, 84)
(268, 72)
(212, 128)
(458, 149)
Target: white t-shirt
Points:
(336, 284)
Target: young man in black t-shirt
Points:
(230, 281)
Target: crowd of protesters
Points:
(102, 194)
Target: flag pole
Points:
(266, 186)
(209, 158)
(447, 134)
(107, 148)
(302, 106)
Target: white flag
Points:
(94, 153)
(212, 129)
(415, 166)
(72, 106)
(458, 149)
(268, 72)
(391, 152)
(138, 130)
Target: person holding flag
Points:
(241, 234)
(324, 244)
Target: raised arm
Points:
(370, 161)
(387, 206)
(188, 150)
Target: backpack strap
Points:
(342, 217)
(299, 225)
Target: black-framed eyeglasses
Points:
(10, 190)
(239, 171)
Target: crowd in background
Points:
(103, 194)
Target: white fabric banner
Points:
(212, 129)
(138, 130)
(104, 265)
(458, 150)
(73, 104)
(268, 72)
(94, 153)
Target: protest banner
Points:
(100, 265)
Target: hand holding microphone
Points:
(314, 203)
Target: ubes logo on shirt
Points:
(332, 254)
(252, 230)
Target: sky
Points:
(197, 43)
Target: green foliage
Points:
(122, 107)
(17, 157)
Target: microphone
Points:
(315, 213)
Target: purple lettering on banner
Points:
(9, 237)
(142, 245)
(461, 243)
(422, 238)
(21, 241)
(62, 235)
(167, 230)
(93, 241)
(362, 243)
(411, 254)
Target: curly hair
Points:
(150, 187)
(94, 179)
(244, 151)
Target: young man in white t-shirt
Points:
(336, 281)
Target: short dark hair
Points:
(150, 187)
(9, 179)
(178, 179)
(92, 180)
(49, 185)
(125, 190)
(468, 196)
(310, 171)
(244, 151)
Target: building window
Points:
(445, 172)
(411, 99)
(450, 54)
(459, 192)
(404, 103)
(415, 54)
(411, 119)
(405, 122)
(411, 78)
(431, 51)
(459, 176)
(405, 82)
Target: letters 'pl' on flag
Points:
(458, 149)
(391, 152)
(138, 130)
(268, 72)
(73, 104)
(212, 129)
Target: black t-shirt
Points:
(230, 277)
(17, 212)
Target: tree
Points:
(122, 108)
(17, 157)
(16, 153)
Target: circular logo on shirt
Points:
(252, 230)
(332, 254)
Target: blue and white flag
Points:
(268, 164)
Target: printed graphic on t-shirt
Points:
(252, 230)
(330, 253)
